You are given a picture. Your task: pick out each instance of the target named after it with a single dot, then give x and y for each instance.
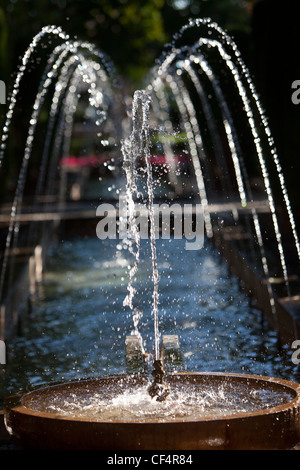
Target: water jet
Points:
(202, 410)
(90, 414)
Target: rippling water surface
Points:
(188, 402)
(79, 325)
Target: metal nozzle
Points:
(158, 388)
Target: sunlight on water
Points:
(79, 321)
(79, 326)
(188, 402)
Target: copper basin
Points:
(275, 427)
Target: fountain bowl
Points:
(268, 428)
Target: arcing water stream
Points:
(183, 71)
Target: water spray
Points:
(137, 146)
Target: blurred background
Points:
(81, 281)
(133, 35)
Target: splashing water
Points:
(72, 62)
(189, 61)
(135, 148)
(57, 31)
(78, 70)
(187, 402)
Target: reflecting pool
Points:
(78, 325)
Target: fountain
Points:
(179, 410)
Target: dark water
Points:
(78, 328)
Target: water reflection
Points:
(78, 328)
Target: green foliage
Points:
(131, 32)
